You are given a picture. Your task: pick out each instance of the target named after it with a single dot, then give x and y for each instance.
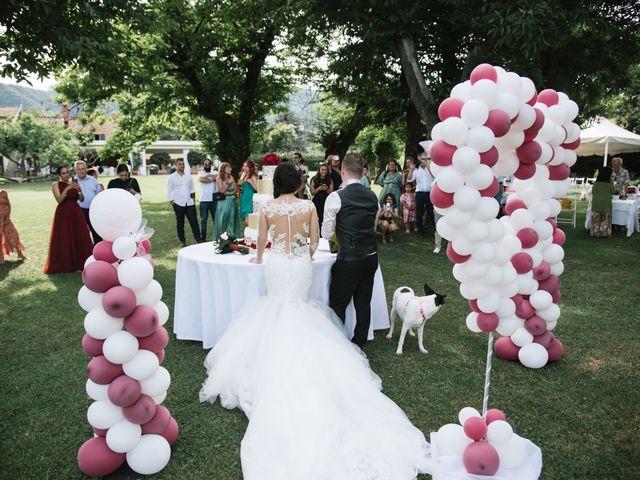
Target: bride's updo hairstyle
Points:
(286, 179)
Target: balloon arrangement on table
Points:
(497, 124)
(126, 338)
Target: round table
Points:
(212, 288)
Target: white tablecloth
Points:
(623, 212)
(211, 288)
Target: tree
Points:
(281, 137)
(38, 143)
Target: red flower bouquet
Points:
(270, 159)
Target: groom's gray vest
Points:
(355, 222)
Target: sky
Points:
(40, 84)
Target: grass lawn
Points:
(582, 411)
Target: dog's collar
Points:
(424, 317)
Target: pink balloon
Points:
(442, 153)
(550, 284)
(102, 371)
(146, 244)
(529, 134)
(525, 310)
(475, 428)
(534, 99)
(555, 296)
(498, 122)
(539, 121)
(506, 349)
(529, 152)
(160, 356)
(142, 322)
(480, 458)
(100, 276)
(484, 71)
(549, 97)
(535, 325)
(528, 237)
(522, 262)
(441, 199)
(119, 301)
(155, 342)
(101, 432)
(572, 145)
(494, 414)
(142, 411)
(559, 172)
(490, 157)
(541, 271)
(555, 350)
(517, 299)
(450, 107)
(559, 236)
(124, 391)
(487, 322)
(92, 346)
(545, 339)
(525, 171)
(172, 431)
(553, 222)
(104, 251)
(473, 304)
(159, 422)
(513, 205)
(492, 190)
(96, 459)
(454, 256)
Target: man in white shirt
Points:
(208, 203)
(424, 181)
(181, 194)
(90, 188)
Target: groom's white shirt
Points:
(331, 208)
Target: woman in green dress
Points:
(227, 210)
(601, 204)
(391, 182)
(248, 185)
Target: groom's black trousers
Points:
(354, 279)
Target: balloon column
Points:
(125, 337)
(497, 124)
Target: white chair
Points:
(568, 204)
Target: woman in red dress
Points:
(9, 238)
(70, 243)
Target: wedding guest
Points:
(336, 178)
(70, 244)
(124, 180)
(408, 162)
(90, 188)
(298, 161)
(601, 205)
(227, 211)
(9, 237)
(181, 194)
(408, 199)
(94, 173)
(619, 177)
(321, 187)
(364, 179)
(391, 182)
(424, 180)
(388, 217)
(208, 202)
(248, 186)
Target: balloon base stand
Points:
(450, 467)
(123, 473)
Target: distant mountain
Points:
(29, 98)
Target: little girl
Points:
(408, 200)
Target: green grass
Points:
(582, 411)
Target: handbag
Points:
(219, 196)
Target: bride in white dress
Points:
(315, 408)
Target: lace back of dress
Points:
(290, 226)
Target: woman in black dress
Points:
(321, 187)
(124, 180)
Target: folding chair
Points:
(568, 204)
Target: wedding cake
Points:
(265, 193)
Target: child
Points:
(408, 200)
(387, 217)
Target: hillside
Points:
(30, 98)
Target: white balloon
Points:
(512, 453)
(152, 293)
(115, 213)
(135, 273)
(454, 131)
(482, 177)
(557, 269)
(476, 231)
(124, 247)
(546, 153)
(499, 432)
(496, 230)
(150, 455)
(549, 314)
(540, 299)
(475, 269)
(458, 273)
(552, 325)
(480, 138)
(452, 440)
(530, 195)
(573, 132)
(123, 436)
(526, 285)
(472, 322)
(509, 103)
(506, 166)
(528, 89)
(142, 366)
(570, 157)
(479, 289)
(466, 413)
(535, 254)
(465, 159)
(120, 347)
(96, 391)
(533, 355)
(466, 198)
(90, 259)
(490, 303)
(474, 113)
(158, 399)
(462, 91)
(485, 90)
(436, 169)
(554, 253)
(522, 337)
(543, 229)
(512, 243)
(445, 230)
(463, 246)
(507, 308)
(494, 276)
(458, 218)
(450, 179)
(526, 117)
(508, 326)
(509, 82)
(484, 252)
(502, 255)
(156, 384)
(99, 324)
(487, 209)
(163, 312)
(104, 414)
(521, 218)
(89, 299)
(554, 207)
(436, 132)
(509, 274)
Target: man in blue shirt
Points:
(90, 188)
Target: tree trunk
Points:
(234, 141)
(348, 133)
(415, 132)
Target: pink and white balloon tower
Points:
(496, 124)
(126, 338)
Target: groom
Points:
(350, 212)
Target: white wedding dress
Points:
(314, 406)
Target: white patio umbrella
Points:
(606, 138)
